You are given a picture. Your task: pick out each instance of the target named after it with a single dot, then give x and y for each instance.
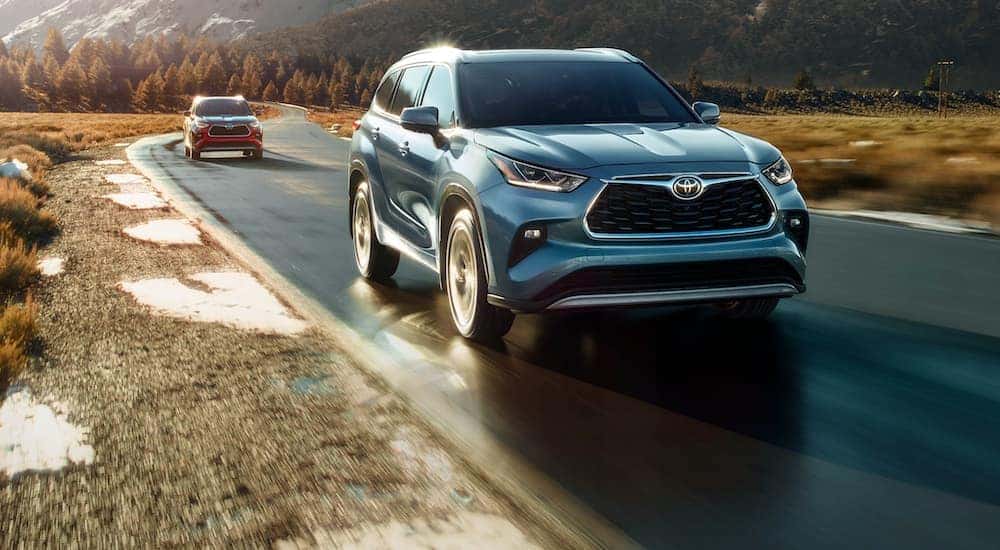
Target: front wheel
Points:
(757, 308)
(474, 317)
(374, 260)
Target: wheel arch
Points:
(454, 198)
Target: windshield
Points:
(576, 92)
(223, 107)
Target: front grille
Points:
(634, 208)
(238, 130)
(678, 276)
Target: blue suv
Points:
(537, 180)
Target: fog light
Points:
(527, 240)
(797, 228)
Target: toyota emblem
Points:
(687, 188)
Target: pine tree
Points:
(933, 79)
(3, 50)
(11, 90)
(72, 85)
(252, 76)
(293, 92)
(32, 78)
(804, 81)
(270, 91)
(187, 80)
(695, 85)
(99, 82)
(172, 83)
(366, 98)
(55, 46)
(213, 79)
(336, 95)
(235, 86)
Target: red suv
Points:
(222, 124)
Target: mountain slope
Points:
(846, 42)
(131, 20)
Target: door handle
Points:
(404, 149)
(375, 133)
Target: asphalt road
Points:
(866, 413)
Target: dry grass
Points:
(61, 133)
(18, 322)
(919, 164)
(20, 208)
(12, 362)
(18, 269)
(344, 117)
(264, 111)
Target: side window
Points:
(384, 93)
(440, 94)
(409, 89)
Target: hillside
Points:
(852, 43)
(27, 21)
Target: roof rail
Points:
(612, 51)
(429, 50)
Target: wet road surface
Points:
(864, 413)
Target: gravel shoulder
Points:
(206, 435)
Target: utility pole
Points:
(944, 68)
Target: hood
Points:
(578, 147)
(228, 119)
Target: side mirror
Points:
(420, 119)
(709, 112)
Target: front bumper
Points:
(560, 274)
(207, 143)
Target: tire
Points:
(195, 154)
(465, 282)
(187, 152)
(257, 155)
(758, 308)
(375, 261)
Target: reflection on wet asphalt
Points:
(825, 426)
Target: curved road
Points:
(866, 413)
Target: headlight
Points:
(779, 173)
(255, 124)
(201, 124)
(535, 177)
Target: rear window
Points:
(384, 93)
(561, 92)
(223, 107)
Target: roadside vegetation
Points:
(343, 118)
(59, 134)
(24, 225)
(948, 167)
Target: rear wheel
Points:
(758, 308)
(374, 260)
(465, 278)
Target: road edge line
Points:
(545, 498)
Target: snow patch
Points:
(35, 436)
(865, 143)
(234, 299)
(137, 201)
(14, 168)
(110, 162)
(123, 144)
(462, 530)
(51, 266)
(178, 231)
